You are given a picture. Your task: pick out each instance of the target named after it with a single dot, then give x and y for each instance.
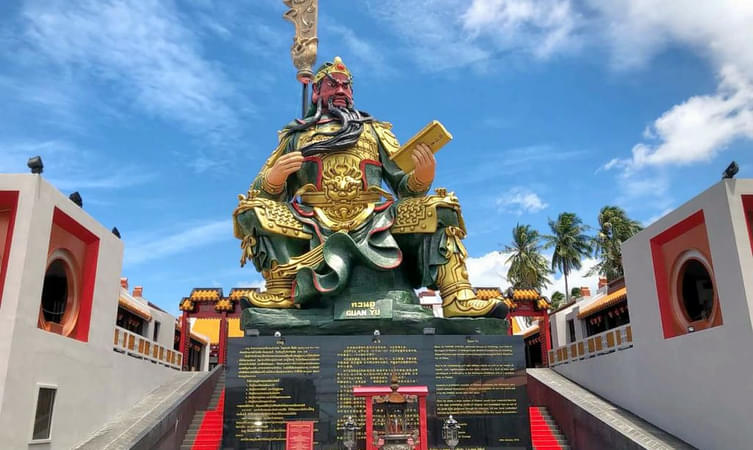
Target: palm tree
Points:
(528, 267)
(570, 244)
(615, 227)
(556, 300)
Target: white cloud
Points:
(575, 279)
(701, 127)
(443, 34)
(489, 270)
(540, 26)
(520, 200)
(155, 246)
(432, 33)
(143, 48)
(637, 30)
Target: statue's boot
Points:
(458, 299)
(278, 292)
(280, 277)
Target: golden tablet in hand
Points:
(435, 135)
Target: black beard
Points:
(352, 122)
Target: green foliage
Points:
(558, 298)
(615, 227)
(576, 293)
(528, 267)
(570, 243)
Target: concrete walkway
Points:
(125, 430)
(618, 424)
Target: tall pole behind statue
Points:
(303, 14)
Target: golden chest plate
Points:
(342, 203)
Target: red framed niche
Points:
(748, 211)
(74, 250)
(8, 208)
(680, 253)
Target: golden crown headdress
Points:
(336, 66)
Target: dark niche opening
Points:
(697, 290)
(55, 292)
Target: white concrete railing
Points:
(619, 338)
(138, 346)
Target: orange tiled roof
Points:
(206, 294)
(604, 302)
(523, 294)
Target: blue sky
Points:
(160, 112)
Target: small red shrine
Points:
(386, 394)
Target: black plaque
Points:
(479, 379)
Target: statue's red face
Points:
(336, 86)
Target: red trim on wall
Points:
(88, 270)
(748, 211)
(660, 272)
(8, 199)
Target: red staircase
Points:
(545, 434)
(205, 431)
(210, 431)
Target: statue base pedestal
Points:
(402, 319)
(374, 300)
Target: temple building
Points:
(207, 312)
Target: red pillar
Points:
(185, 336)
(545, 346)
(369, 425)
(222, 357)
(510, 318)
(423, 429)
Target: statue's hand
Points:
(424, 162)
(283, 167)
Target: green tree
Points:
(576, 293)
(556, 299)
(570, 244)
(528, 267)
(615, 227)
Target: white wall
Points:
(695, 386)
(166, 336)
(560, 318)
(94, 383)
